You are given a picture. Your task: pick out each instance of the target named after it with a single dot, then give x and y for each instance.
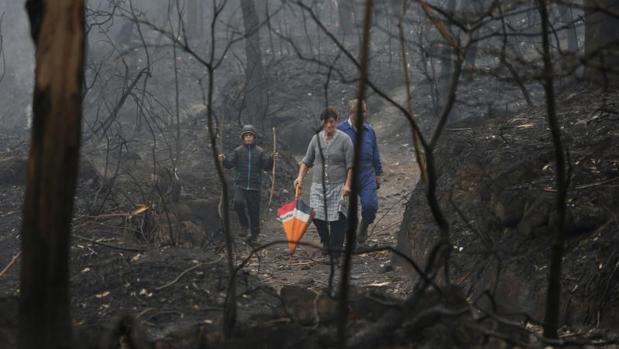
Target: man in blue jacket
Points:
(370, 168)
(250, 161)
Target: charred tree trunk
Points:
(602, 41)
(447, 59)
(57, 28)
(256, 93)
(553, 294)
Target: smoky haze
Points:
(494, 122)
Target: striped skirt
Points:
(335, 202)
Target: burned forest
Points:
(309, 174)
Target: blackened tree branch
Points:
(351, 233)
(553, 295)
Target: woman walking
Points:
(331, 150)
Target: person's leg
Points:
(253, 208)
(323, 232)
(369, 207)
(240, 203)
(338, 234)
(362, 233)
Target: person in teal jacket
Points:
(250, 161)
(370, 168)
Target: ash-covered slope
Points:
(496, 186)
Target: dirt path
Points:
(307, 267)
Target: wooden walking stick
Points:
(273, 171)
(220, 149)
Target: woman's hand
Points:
(298, 183)
(345, 190)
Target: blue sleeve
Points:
(378, 166)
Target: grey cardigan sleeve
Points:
(310, 154)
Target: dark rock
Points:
(307, 307)
(202, 212)
(371, 305)
(508, 207)
(191, 234)
(535, 214)
(585, 220)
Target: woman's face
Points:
(329, 125)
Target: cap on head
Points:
(248, 129)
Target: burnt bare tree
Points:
(57, 28)
(447, 60)
(553, 298)
(351, 233)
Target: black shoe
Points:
(252, 240)
(362, 233)
(360, 246)
(338, 261)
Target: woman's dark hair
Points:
(328, 113)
